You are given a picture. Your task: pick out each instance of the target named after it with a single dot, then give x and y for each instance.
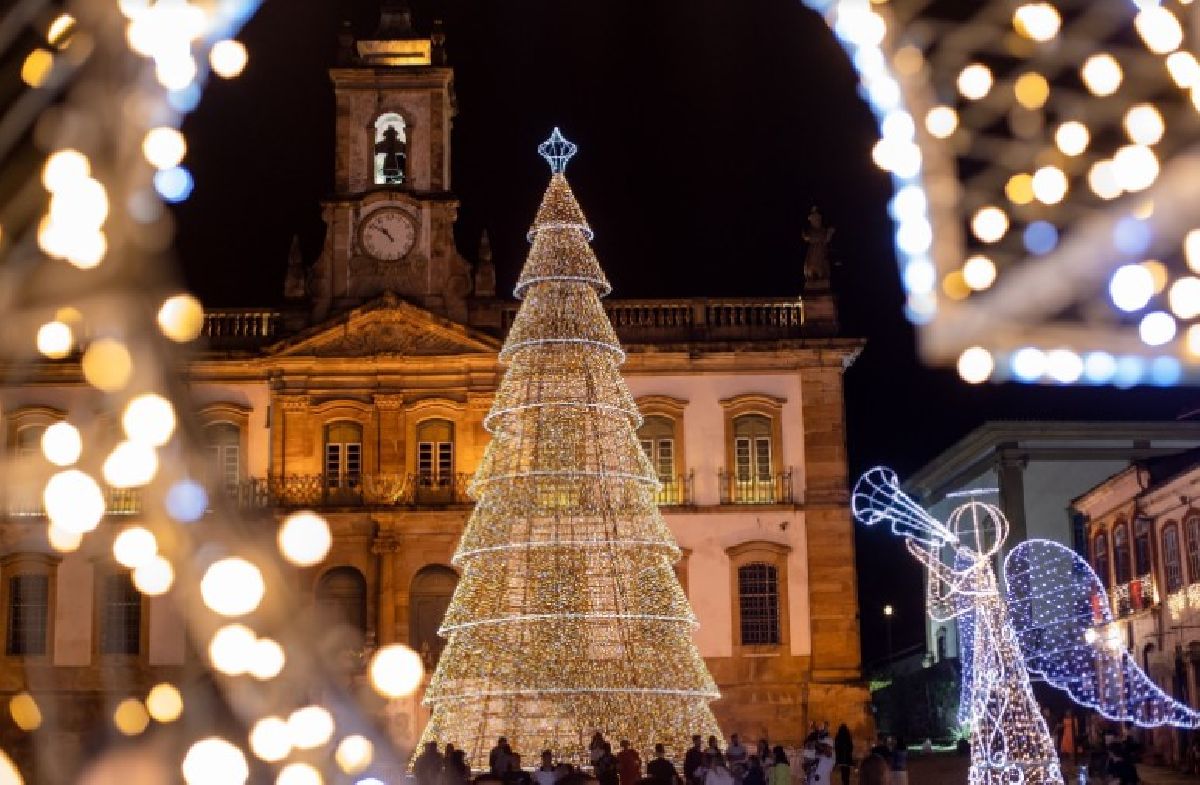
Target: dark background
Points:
(706, 130)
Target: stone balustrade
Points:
(636, 321)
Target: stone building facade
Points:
(363, 398)
(1141, 534)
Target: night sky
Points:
(706, 130)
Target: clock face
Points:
(387, 234)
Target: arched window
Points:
(1172, 566)
(1142, 559)
(429, 597)
(1121, 553)
(1192, 532)
(657, 436)
(1100, 561)
(120, 615)
(758, 602)
(224, 442)
(391, 149)
(753, 462)
(342, 606)
(343, 455)
(28, 441)
(435, 459)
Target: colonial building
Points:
(363, 398)
(1142, 537)
(1036, 469)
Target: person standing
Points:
(755, 773)
(693, 761)
(781, 772)
(629, 764)
(606, 766)
(455, 770)
(900, 762)
(1067, 742)
(821, 772)
(874, 771)
(843, 752)
(427, 768)
(717, 772)
(596, 747)
(547, 773)
(498, 757)
(736, 755)
(661, 770)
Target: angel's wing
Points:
(877, 498)
(1060, 612)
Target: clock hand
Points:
(387, 234)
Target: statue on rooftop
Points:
(816, 260)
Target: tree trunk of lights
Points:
(568, 618)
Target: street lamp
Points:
(888, 612)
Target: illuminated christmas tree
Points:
(568, 618)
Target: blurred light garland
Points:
(1056, 140)
(89, 303)
(568, 617)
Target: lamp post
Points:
(888, 612)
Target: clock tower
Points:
(389, 223)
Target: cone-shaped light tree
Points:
(568, 617)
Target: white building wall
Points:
(1049, 488)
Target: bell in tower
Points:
(390, 221)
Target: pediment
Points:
(386, 326)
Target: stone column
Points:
(289, 448)
(390, 418)
(386, 544)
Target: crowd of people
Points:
(822, 758)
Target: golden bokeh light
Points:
(228, 58)
(54, 340)
(107, 365)
(25, 712)
(267, 659)
(164, 147)
(214, 761)
(130, 465)
(181, 318)
(134, 547)
(73, 501)
(396, 671)
(231, 649)
(270, 739)
(299, 774)
(61, 444)
(130, 717)
(310, 727)
(149, 419)
(354, 754)
(304, 538)
(164, 702)
(232, 587)
(154, 576)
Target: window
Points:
(28, 440)
(1121, 554)
(391, 149)
(224, 454)
(1192, 531)
(758, 603)
(343, 455)
(342, 607)
(657, 436)
(1172, 565)
(28, 614)
(432, 588)
(752, 460)
(1141, 547)
(1100, 560)
(435, 457)
(120, 615)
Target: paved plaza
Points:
(952, 770)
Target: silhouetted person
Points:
(661, 770)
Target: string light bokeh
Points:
(1045, 181)
(92, 304)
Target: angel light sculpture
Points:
(1054, 621)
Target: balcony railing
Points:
(698, 319)
(231, 328)
(757, 489)
(117, 501)
(676, 491)
(1137, 595)
(374, 490)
